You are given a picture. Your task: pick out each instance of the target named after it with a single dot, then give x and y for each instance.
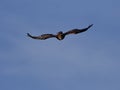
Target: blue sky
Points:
(87, 61)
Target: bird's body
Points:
(60, 35)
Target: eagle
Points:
(60, 35)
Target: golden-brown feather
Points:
(60, 35)
(42, 37)
(76, 31)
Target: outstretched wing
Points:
(42, 37)
(76, 31)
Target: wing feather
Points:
(42, 37)
(76, 31)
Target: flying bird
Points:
(60, 35)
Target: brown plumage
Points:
(60, 35)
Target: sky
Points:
(86, 61)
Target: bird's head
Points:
(59, 33)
